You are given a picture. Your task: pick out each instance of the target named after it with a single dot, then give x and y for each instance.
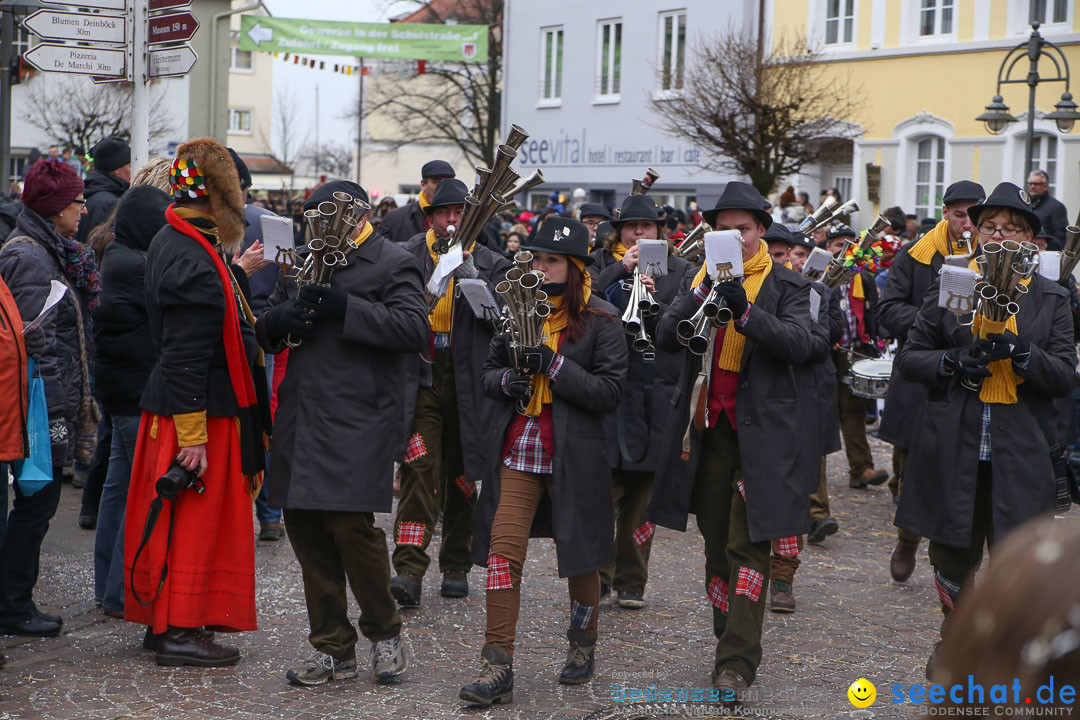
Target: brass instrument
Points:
(834, 214)
(526, 309)
(819, 216)
(694, 242)
(331, 226)
(694, 332)
(842, 268)
(1070, 254)
(1002, 268)
(640, 187)
(640, 305)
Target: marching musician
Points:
(401, 224)
(857, 299)
(338, 429)
(980, 460)
(744, 487)
(912, 272)
(592, 215)
(205, 410)
(554, 450)
(635, 429)
(449, 417)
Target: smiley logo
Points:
(862, 693)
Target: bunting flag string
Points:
(397, 67)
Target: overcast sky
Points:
(337, 92)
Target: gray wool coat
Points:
(337, 430)
(780, 461)
(579, 514)
(938, 499)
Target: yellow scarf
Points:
(755, 270)
(441, 318)
(553, 326)
(857, 288)
(935, 242)
(1000, 387)
(422, 201)
(364, 234)
(619, 251)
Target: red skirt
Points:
(211, 576)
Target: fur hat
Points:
(203, 168)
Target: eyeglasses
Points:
(81, 201)
(591, 223)
(988, 229)
(1040, 183)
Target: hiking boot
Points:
(321, 669)
(631, 600)
(870, 476)
(902, 563)
(271, 532)
(455, 584)
(579, 658)
(388, 659)
(406, 591)
(188, 646)
(495, 685)
(731, 686)
(783, 598)
(821, 529)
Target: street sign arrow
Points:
(84, 27)
(259, 34)
(77, 59)
(172, 62)
(96, 4)
(172, 28)
(164, 4)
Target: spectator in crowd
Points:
(1050, 211)
(40, 250)
(109, 179)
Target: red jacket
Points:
(13, 440)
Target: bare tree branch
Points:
(75, 113)
(330, 158)
(285, 129)
(764, 115)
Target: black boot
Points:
(579, 658)
(188, 646)
(496, 682)
(406, 591)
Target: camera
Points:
(178, 478)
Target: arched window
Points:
(929, 176)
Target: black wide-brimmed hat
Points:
(561, 235)
(740, 196)
(778, 232)
(448, 192)
(637, 207)
(594, 210)
(1007, 195)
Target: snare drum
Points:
(870, 378)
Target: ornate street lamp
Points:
(997, 116)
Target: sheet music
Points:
(56, 292)
(277, 236)
(652, 257)
(723, 255)
(1050, 264)
(957, 290)
(479, 297)
(815, 305)
(448, 263)
(816, 263)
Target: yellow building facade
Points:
(920, 71)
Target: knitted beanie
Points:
(50, 187)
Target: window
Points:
(672, 43)
(1045, 12)
(23, 40)
(839, 21)
(936, 17)
(929, 177)
(241, 60)
(608, 59)
(1044, 152)
(240, 121)
(551, 53)
(842, 183)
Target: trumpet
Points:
(1070, 254)
(331, 226)
(640, 305)
(694, 332)
(694, 242)
(526, 308)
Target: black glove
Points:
(706, 282)
(517, 385)
(288, 319)
(960, 359)
(35, 343)
(1008, 345)
(538, 360)
(324, 303)
(732, 291)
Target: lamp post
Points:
(997, 116)
(10, 10)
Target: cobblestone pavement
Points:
(852, 621)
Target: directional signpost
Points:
(167, 4)
(82, 27)
(96, 4)
(172, 28)
(172, 61)
(78, 60)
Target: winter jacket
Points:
(102, 192)
(263, 281)
(13, 439)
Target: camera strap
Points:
(148, 530)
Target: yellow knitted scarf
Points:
(422, 201)
(755, 270)
(441, 318)
(1000, 387)
(619, 251)
(935, 242)
(553, 326)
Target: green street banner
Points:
(404, 41)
